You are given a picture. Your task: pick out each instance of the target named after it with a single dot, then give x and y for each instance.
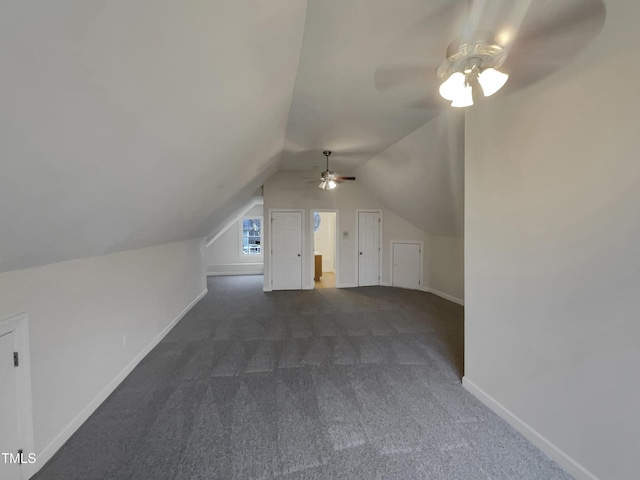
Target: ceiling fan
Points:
(497, 40)
(328, 179)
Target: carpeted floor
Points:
(323, 384)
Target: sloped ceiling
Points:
(134, 123)
(341, 101)
(421, 177)
(131, 123)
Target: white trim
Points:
(346, 285)
(19, 326)
(386, 284)
(410, 242)
(47, 452)
(446, 296)
(235, 269)
(234, 219)
(540, 441)
(357, 262)
(336, 252)
(267, 250)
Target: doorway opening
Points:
(325, 248)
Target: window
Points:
(252, 236)
(316, 221)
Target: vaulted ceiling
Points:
(126, 124)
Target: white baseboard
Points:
(346, 285)
(386, 284)
(235, 269)
(446, 296)
(47, 452)
(561, 458)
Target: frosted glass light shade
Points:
(491, 80)
(452, 86)
(464, 98)
(327, 184)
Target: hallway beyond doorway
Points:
(327, 280)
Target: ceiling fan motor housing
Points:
(472, 55)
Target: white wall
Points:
(290, 190)
(79, 313)
(552, 255)
(444, 274)
(325, 240)
(224, 257)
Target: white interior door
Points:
(9, 439)
(406, 265)
(368, 248)
(286, 250)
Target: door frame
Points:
(420, 244)
(380, 224)
(19, 326)
(269, 282)
(312, 244)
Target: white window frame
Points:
(241, 234)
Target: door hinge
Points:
(16, 360)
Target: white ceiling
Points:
(132, 123)
(337, 103)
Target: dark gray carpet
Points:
(330, 384)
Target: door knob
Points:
(360, 253)
(298, 254)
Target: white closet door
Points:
(368, 249)
(9, 440)
(286, 250)
(406, 265)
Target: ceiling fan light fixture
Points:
(452, 86)
(491, 80)
(327, 184)
(469, 60)
(464, 98)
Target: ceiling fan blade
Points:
(550, 38)
(340, 178)
(402, 75)
(412, 58)
(541, 37)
